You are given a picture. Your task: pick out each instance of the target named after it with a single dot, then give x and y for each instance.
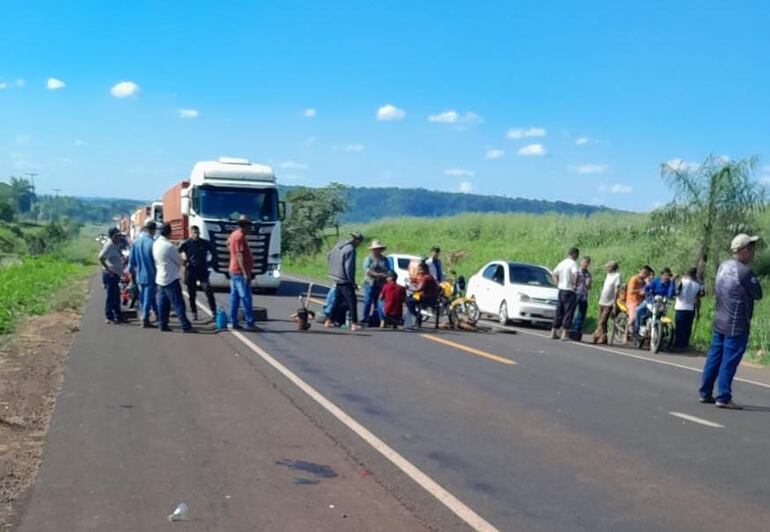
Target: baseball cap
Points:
(741, 241)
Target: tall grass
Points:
(469, 241)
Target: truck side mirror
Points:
(284, 210)
(185, 205)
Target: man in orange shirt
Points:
(241, 268)
(635, 292)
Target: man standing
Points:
(141, 265)
(241, 268)
(688, 294)
(434, 264)
(375, 270)
(195, 251)
(112, 270)
(736, 289)
(565, 275)
(341, 261)
(168, 265)
(582, 288)
(607, 301)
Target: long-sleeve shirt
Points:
(141, 264)
(341, 261)
(657, 287)
(736, 289)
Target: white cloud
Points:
(532, 150)
(453, 117)
(459, 172)
(54, 84)
(310, 112)
(466, 187)
(494, 153)
(80, 142)
(354, 148)
(389, 113)
(3, 85)
(124, 89)
(581, 141)
(526, 133)
(293, 165)
(18, 84)
(682, 165)
(588, 169)
(617, 188)
(187, 113)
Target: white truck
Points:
(216, 194)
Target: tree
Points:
(713, 201)
(313, 212)
(23, 193)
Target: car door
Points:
(496, 288)
(485, 284)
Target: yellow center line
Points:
(471, 350)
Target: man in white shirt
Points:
(168, 265)
(688, 294)
(565, 275)
(607, 301)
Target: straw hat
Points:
(376, 244)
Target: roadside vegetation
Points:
(711, 203)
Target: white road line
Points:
(700, 421)
(459, 508)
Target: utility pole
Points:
(32, 176)
(56, 190)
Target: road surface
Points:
(437, 429)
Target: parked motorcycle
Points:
(458, 308)
(657, 328)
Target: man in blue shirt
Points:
(660, 286)
(736, 289)
(141, 265)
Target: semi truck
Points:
(153, 211)
(215, 195)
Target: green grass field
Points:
(468, 241)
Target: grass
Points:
(468, 241)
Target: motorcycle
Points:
(657, 328)
(459, 309)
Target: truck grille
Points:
(259, 244)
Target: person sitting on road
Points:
(392, 298)
(337, 316)
(424, 292)
(660, 286)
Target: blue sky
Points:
(576, 101)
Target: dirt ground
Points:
(31, 370)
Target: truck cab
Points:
(216, 195)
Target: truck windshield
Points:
(230, 203)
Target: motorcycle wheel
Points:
(618, 326)
(656, 337)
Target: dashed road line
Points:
(698, 420)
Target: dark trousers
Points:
(565, 310)
(112, 302)
(683, 328)
(193, 278)
(580, 315)
(168, 296)
(346, 294)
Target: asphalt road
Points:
(529, 433)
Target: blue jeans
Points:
(147, 300)
(112, 303)
(580, 315)
(371, 295)
(642, 313)
(721, 364)
(168, 296)
(240, 292)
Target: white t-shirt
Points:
(687, 295)
(168, 263)
(566, 271)
(610, 289)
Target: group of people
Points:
(157, 267)
(736, 288)
(384, 298)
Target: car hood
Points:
(537, 292)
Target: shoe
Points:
(165, 329)
(707, 400)
(236, 327)
(564, 335)
(190, 331)
(195, 316)
(148, 325)
(554, 334)
(110, 322)
(728, 405)
(355, 327)
(252, 328)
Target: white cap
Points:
(741, 241)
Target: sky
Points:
(574, 101)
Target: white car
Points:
(399, 263)
(515, 291)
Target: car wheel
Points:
(502, 315)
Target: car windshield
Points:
(530, 275)
(231, 203)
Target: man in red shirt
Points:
(241, 269)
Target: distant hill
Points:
(368, 204)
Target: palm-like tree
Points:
(23, 193)
(715, 200)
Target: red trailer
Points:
(172, 211)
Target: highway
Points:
(502, 429)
